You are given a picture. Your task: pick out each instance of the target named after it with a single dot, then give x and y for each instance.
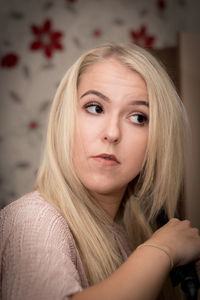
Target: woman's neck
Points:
(109, 202)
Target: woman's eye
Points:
(139, 119)
(94, 108)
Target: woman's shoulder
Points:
(33, 215)
(30, 206)
(36, 245)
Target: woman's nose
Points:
(112, 131)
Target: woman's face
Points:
(111, 127)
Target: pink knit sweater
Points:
(38, 255)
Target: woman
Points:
(113, 161)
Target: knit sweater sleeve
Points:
(36, 253)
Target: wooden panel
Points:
(190, 90)
(169, 57)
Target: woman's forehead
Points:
(109, 68)
(113, 81)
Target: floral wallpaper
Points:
(39, 40)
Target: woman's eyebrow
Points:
(94, 92)
(102, 96)
(139, 102)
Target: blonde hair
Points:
(158, 184)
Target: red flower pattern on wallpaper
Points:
(47, 39)
(141, 38)
(9, 60)
(97, 33)
(161, 4)
(33, 125)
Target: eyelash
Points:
(95, 104)
(92, 104)
(139, 115)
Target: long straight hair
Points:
(156, 188)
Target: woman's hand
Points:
(181, 240)
(145, 271)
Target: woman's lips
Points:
(106, 159)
